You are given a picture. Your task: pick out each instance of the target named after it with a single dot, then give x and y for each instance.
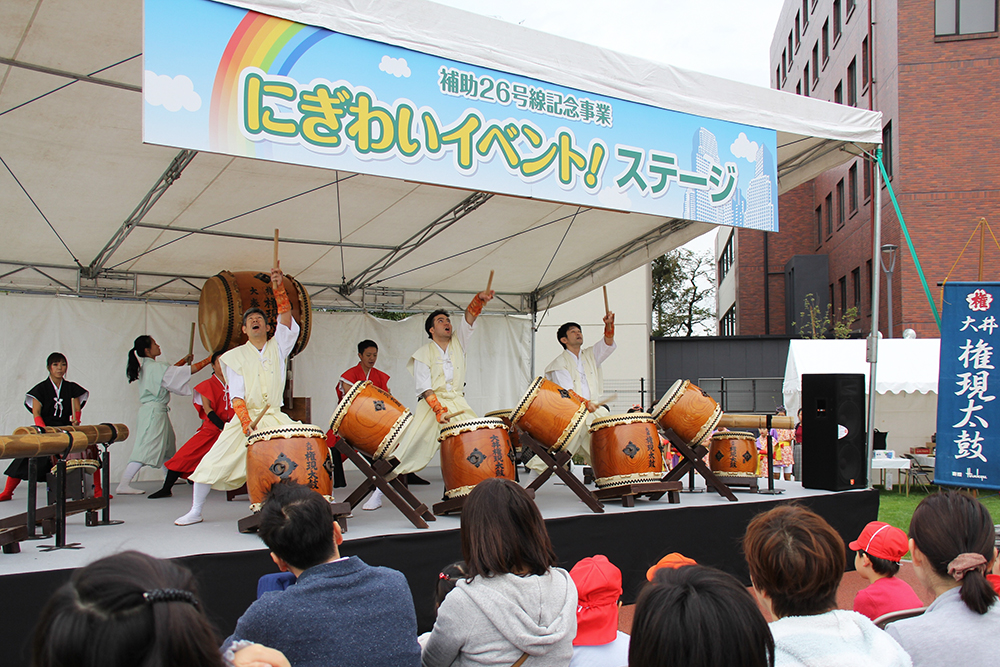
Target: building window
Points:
(833, 303)
(865, 64)
(867, 177)
(805, 14)
(798, 87)
(964, 17)
(836, 20)
(852, 83)
(842, 283)
(727, 325)
(805, 80)
(815, 63)
(819, 226)
(826, 41)
(850, 9)
(798, 31)
(887, 148)
(784, 67)
(777, 77)
(856, 287)
(838, 93)
(829, 214)
(840, 204)
(726, 259)
(868, 285)
(790, 49)
(852, 188)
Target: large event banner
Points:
(967, 455)
(227, 80)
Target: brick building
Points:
(932, 67)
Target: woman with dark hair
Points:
(796, 561)
(951, 543)
(154, 439)
(133, 610)
(698, 617)
(514, 604)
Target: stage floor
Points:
(149, 524)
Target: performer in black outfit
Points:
(54, 401)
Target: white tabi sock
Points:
(200, 494)
(374, 502)
(124, 486)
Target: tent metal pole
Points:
(534, 314)
(873, 336)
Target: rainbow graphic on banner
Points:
(272, 44)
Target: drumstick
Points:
(489, 283)
(275, 265)
(191, 343)
(449, 415)
(606, 308)
(605, 399)
(253, 424)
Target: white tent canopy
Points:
(906, 381)
(89, 209)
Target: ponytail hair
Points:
(955, 533)
(139, 347)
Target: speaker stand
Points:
(770, 490)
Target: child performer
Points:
(53, 402)
(879, 549)
(154, 440)
(211, 400)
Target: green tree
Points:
(813, 323)
(683, 292)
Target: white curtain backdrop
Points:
(96, 336)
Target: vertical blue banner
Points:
(967, 455)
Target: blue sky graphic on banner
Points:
(225, 80)
(966, 454)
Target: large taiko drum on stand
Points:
(371, 420)
(733, 454)
(625, 450)
(297, 452)
(689, 411)
(472, 451)
(550, 414)
(504, 416)
(227, 295)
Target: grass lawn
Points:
(895, 508)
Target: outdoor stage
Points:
(704, 526)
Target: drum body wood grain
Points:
(625, 450)
(297, 452)
(504, 416)
(733, 454)
(689, 411)
(227, 295)
(371, 420)
(550, 414)
(472, 451)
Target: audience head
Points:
(598, 588)
(563, 332)
(503, 531)
(297, 525)
(126, 610)
(952, 535)
(672, 560)
(884, 545)
(447, 578)
(796, 560)
(698, 617)
(780, 410)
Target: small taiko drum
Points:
(689, 411)
(297, 452)
(733, 454)
(504, 416)
(371, 420)
(550, 414)
(227, 295)
(625, 449)
(472, 451)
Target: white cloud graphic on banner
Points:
(173, 94)
(744, 148)
(612, 198)
(395, 66)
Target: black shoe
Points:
(411, 478)
(162, 493)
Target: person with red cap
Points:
(879, 549)
(598, 641)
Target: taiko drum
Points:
(227, 295)
(504, 416)
(550, 414)
(733, 454)
(689, 411)
(371, 420)
(625, 449)
(472, 451)
(297, 452)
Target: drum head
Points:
(471, 425)
(219, 312)
(668, 400)
(287, 432)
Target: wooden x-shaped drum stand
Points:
(692, 459)
(555, 462)
(394, 490)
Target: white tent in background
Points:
(906, 382)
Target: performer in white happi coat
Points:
(579, 369)
(255, 373)
(439, 371)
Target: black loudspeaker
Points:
(833, 432)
